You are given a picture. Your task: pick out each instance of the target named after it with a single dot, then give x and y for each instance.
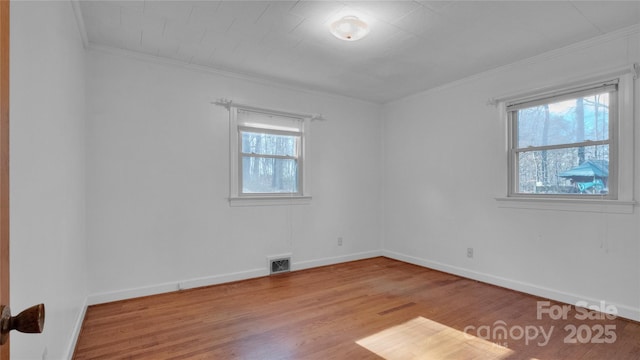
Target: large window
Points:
(565, 144)
(267, 157)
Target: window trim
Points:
(569, 93)
(565, 204)
(236, 197)
(625, 202)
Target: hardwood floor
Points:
(371, 309)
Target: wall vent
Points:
(279, 265)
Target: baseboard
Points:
(625, 311)
(131, 293)
(75, 334)
(301, 265)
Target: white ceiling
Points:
(412, 46)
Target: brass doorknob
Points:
(30, 320)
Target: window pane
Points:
(268, 175)
(269, 144)
(565, 122)
(579, 170)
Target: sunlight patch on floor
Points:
(422, 338)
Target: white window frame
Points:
(622, 162)
(236, 196)
(612, 140)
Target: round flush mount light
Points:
(349, 28)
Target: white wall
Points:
(48, 246)
(157, 180)
(156, 175)
(445, 162)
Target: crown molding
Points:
(263, 80)
(271, 81)
(546, 56)
(567, 84)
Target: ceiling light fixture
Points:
(349, 28)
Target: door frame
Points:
(4, 161)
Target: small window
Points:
(270, 161)
(267, 156)
(565, 144)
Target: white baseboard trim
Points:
(625, 311)
(131, 293)
(75, 334)
(221, 279)
(301, 265)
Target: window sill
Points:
(269, 200)
(581, 205)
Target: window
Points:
(267, 156)
(565, 144)
(270, 160)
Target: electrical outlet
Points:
(340, 241)
(45, 353)
(470, 252)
